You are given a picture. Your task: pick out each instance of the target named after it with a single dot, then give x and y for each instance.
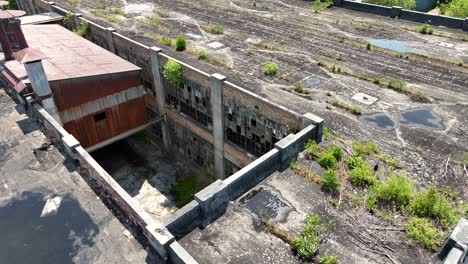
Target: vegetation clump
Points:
(395, 192)
(307, 243)
(181, 43)
(425, 29)
(320, 5)
(355, 161)
(422, 231)
(456, 8)
(330, 182)
(312, 148)
(406, 4)
(362, 150)
(166, 41)
(184, 189)
(67, 19)
(353, 109)
(328, 259)
(270, 69)
(174, 73)
(433, 204)
(201, 54)
(362, 175)
(214, 29)
(326, 159)
(82, 29)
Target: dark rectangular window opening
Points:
(253, 122)
(100, 117)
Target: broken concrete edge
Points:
(157, 234)
(410, 15)
(456, 242)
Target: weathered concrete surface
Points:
(77, 229)
(240, 237)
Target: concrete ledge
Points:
(213, 201)
(290, 146)
(178, 255)
(465, 24)
(70, 143)
(185, 220)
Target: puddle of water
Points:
(421, 117)
(379, 121)
(268, 204)
(311, 81)
(26, 237)
(394, 45)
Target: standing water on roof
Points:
(421, 117)
(378, 120)
(38, 230)
(394, 45)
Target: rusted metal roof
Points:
(43, 18)
(5, 14)
(69, 56)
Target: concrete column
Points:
(160, 93)
(311, 119)
(217, 113)
(465, 25)
(76, 20)
(110, 39)
(40, 85)
(51, 4)
(396, 11)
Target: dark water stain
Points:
(379, 121)
(268, 204)
(421, 117)
(26, 237)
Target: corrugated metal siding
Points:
(120, 118)
(101, 104)
(74, 92)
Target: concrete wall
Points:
(158, 236)
(421, 17)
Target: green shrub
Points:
(306, 245)
(330, 181)
(397, 85)
(319, 6)
(362, 175)
(328, 259)
(298, 88)
(396, 191)
(363, 150)
(117, 11)
(326, 133)
(432, 203)
(270, 68)
(425, 29)
(201, 54)
(312, 148)
(406, 4)
(422, 231)
(174, 73)
(326, 159)
(456, 8)
(369, 46)
(166, 41)
(336, 151)
(181, 43)
(67, 19)
(355, 161)
(214, 29)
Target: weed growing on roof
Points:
(362, 149)
(355, 161)
(277, 232)
(422, 231)
(336, 151)
(307, 243)
(82, 29)
(298, 88)
(201, 54)
(326, 132)
(181, 43)
(167, 41)
(369, 46)
(326, 159)
(395, 192)
(67, 19)
(431, 203)
(353, 109)
(330, 181)
(362, 175)
(214, 29)
(270, 69)
(312, 148)
(425, 29)
(328, 259)
(319, 6)
(117, 11)
(174, 73)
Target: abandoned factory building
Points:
(96, 95)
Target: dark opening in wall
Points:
(100, 117)
(230, 117)
(253, 122)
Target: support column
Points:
(110, 39)
(160, 93)
(50, 7)
(76, 20)
(217, 113)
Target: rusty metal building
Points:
(97, 94)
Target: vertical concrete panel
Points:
(110, 39)
(217, 111)
(160, 93)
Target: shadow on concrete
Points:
(26, 237)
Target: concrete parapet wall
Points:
(421, 17)
(178, 255)
(184, 220)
